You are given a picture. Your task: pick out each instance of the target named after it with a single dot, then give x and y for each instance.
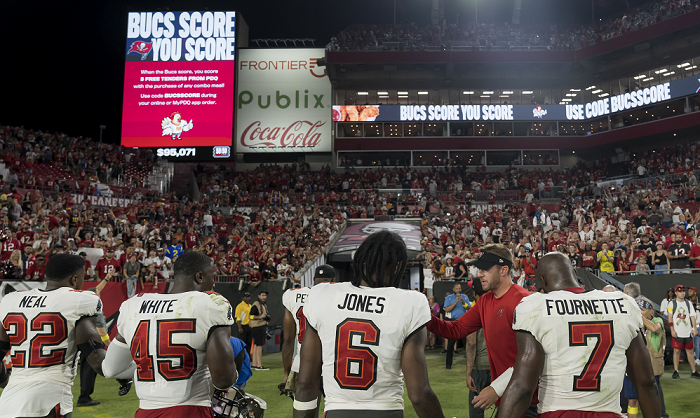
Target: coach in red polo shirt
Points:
(494, 313)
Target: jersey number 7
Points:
(166, 350)
(579, 332)
(355, 365)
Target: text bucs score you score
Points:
(179, 82)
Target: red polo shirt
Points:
(495, 316)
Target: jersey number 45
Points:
(166, 350)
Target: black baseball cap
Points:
(325, 271)
(488, 260)
(246, 294)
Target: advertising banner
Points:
(179, 81)
(505, 112)
(284, 101)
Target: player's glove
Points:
(284, 391)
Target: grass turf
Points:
(449, 385)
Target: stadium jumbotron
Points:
(380, 209)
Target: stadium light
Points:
(604, 95)
(403, 93)
(422, 93)
(575, 90)
(485, 96)
(503, 95)
(639, 76)
(571, 95)
(649, 78)
(596, 91)
(590, 88)
(383, 93)
(468, 92)
(487, 92)
(507, 92)
(362, 93)
(528, 92)
(403, 97)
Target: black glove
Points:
(266, 317)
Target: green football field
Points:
(449, 385)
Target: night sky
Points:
(63, 62)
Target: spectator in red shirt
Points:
(37, 271)
(695, 254)
(107, 264)
(191, 239)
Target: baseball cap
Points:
(532, 288)
(83, 253)
(263, 291)
(246, 294)
(109, 250)
(488, 260)
(643, 304)
(325, 271)
(694, 288)
(680, 288)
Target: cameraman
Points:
(259, 318)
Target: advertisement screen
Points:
(179, 82)
(284, 101)
(505, 112)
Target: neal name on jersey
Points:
(41, 326)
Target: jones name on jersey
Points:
(362, 332)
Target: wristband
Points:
(88, 347)
(632, 410)
(105, 338)
(305, 406)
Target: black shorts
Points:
(258, 334)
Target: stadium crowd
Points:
(412, 36)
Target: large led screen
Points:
(179, 82)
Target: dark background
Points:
(63, 62)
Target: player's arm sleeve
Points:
(421, 315)
(454, 330)
(219, 312)
(501, 383)
(118, 363)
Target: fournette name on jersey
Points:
(585, 307)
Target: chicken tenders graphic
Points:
(355, 113)
(368, 112)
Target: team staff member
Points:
(456, 305)
(259, 318)
(584, 377)
(478, 374)
(494, 313)
(243, 319)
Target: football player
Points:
(578, 345)
(294, 324)
(45, 329)
(363, 335)
(166, 341)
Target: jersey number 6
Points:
(165, 349)
(579, 332)
(355, 366)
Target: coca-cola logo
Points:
(301, 133)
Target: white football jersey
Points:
(41, 327)
(362, 332)
(585, 337)
(294, 301)
(167, 335)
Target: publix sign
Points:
(283, 103)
